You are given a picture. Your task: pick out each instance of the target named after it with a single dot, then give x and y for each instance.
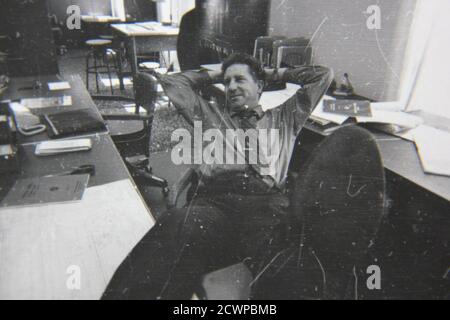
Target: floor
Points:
(231, 283)
(167, 119)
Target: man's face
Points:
(241, 88)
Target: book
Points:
(350, 108)
(76, 122)
(43, 190)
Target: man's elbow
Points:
(325, 73)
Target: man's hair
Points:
(256, 69)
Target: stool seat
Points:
(107, 37)
(98, 42)
(149, 65)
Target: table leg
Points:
(120, 68)
(133, 55)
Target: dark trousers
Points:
(234, 218)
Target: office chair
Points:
(337, 201)
(337, 204)
(134, 145)
(304, 50)
(264, 49)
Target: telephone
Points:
(27, 123)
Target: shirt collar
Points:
(256, 112)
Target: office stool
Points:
(98, 51)
(149, 66)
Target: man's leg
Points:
(171, 258)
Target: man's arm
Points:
(314, 82)
(182, 90)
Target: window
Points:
(118, 9)
(173, 8)
(427, 74)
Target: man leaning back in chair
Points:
(237, 212)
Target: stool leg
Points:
(105, 57)
(96, 73)
(162, 59)
(87, 71)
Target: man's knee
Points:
(198, 217)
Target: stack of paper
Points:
(397, 118)
(434, 149)
(43, 190)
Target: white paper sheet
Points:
(433, 146)
(398, 118)
(56, 86)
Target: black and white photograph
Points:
(246, 152)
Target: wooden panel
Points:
(233, 24)
(32, 49)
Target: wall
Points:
(373, 58)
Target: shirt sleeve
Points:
(314, 82)
(183, 91)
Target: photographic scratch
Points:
(264, 269)
(356, 282)
(353, 195)
(324, 276)
(446, 274)
(384, 56)
(300, 248)
(281, 4)
(317, 30)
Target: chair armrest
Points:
(127, 117)
(177, 189)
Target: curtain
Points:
(177, 7)
(427, 74)
(118, 9)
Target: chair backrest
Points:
(132, 137)
(145, 92)
(264, 48)
(337, 204)
(291, 42)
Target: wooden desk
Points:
(146, 37)
(80, 97)
(46, 249)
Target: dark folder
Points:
(77, 122)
